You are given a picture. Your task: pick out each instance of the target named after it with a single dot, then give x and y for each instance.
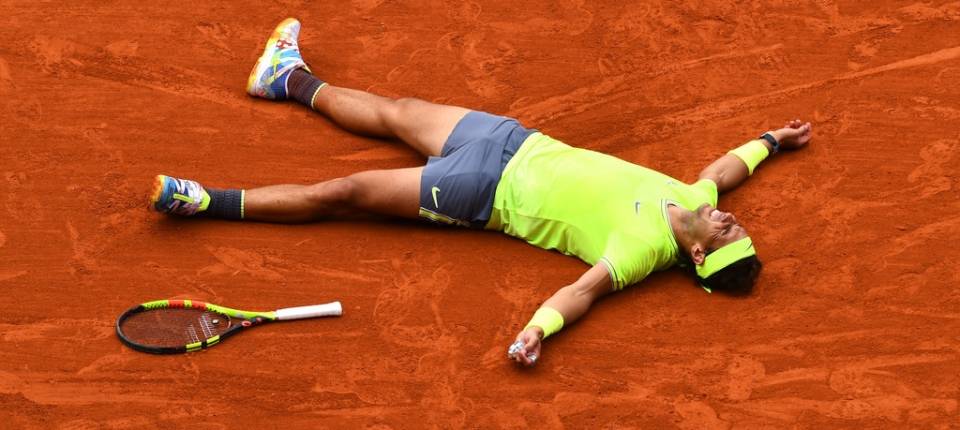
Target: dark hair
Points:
(736, 279)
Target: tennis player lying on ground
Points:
(489, 172)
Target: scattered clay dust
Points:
(854, 324)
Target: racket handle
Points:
(332, 309)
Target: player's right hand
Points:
(530, 352)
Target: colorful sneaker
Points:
(268, 79)
(179, 196)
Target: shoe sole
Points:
(159, 183)
(265, 58)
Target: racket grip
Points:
(332, 309)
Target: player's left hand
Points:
(530, 352)
(794, 134)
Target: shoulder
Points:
(706, 190)
(629, 261)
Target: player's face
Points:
(718, 228)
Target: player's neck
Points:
(677, 220)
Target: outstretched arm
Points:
(729, 171)
(570, 303)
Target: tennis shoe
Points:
(281, 56)
(178, 196)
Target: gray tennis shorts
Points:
(457, 187)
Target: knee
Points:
(336, 193)
(400, 114)
(405, 107)
(407, 103)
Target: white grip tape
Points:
(325, 310)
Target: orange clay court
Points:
(854, 322)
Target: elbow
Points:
(711, 174)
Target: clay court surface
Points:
(854, 323)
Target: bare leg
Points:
(389, 192)
(423, 125)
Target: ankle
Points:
(303, 87)
(224, 204)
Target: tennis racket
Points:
(178, 326)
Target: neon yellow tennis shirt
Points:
(593, 206)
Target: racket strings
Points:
(173, 327)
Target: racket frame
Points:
(247, 319)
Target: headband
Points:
(725, 256)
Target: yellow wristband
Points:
(752, 153)
(547, 319)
